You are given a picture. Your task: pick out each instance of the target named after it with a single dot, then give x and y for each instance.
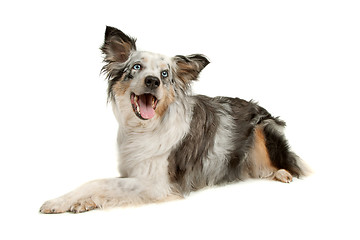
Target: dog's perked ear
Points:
(117, 45)
(189, 67)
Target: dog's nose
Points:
(152, 82)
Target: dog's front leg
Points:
(104, 193)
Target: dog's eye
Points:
(164, 74)
(137, 67)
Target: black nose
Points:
(152, 82)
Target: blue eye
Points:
(137, 67)
(164, 74)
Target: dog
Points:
(171, 142)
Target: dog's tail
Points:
(280, 153)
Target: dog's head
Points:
(146, 82)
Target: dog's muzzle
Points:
(144, 105)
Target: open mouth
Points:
(144, 105)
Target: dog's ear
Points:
(189, 67)
(117, 45)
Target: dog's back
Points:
(230, 139)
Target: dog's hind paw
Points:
(283, 176)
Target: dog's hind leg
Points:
(286, 162)
(271, 157)
(258, 163)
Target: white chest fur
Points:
(144, 146)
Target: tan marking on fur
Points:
(121, 87)
(144, 60)
(163, 66)
(186, 72)
(119, 51)
(163, 104)
(260, 164)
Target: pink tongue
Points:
(146, 110)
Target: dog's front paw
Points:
(60, 205)
(83, 206)
(57, 205)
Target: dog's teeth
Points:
(154, 102)
(136, 98)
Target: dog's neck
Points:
(173, 125)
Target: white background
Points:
(298, 59)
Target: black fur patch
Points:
(279, 151)
(114, 32)
(186, 161)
